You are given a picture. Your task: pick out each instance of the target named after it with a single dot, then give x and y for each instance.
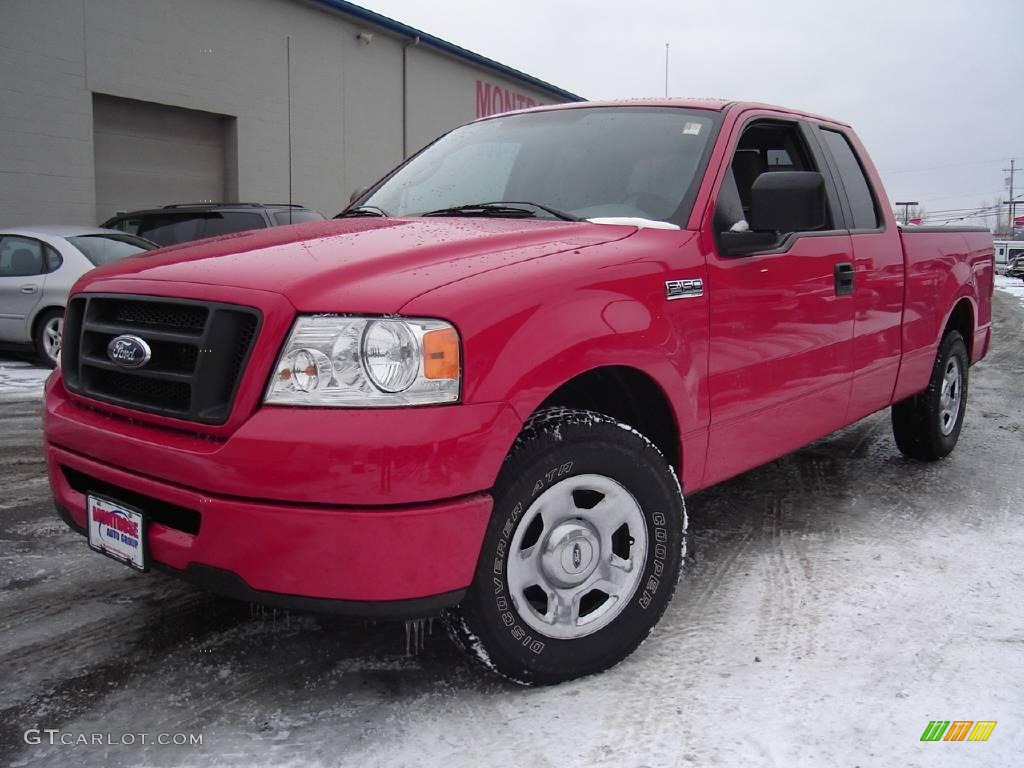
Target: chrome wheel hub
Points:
(52, 333)
(570, 554)
(950, 396)
(577, 556)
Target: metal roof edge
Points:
(404, 30)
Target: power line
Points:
(959, 194)
(949, 165)
(993, 206)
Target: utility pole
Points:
(1011, 203)
(906, 210)
(666, 72)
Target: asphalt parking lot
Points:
(833, 603)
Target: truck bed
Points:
(942, 265)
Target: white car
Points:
(38, 266)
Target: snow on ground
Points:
(1012, 285)
(21, 380)
(833, 603)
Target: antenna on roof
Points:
(666, 70)
(288, 72)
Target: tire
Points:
(927, 426)
(570, 479)
(49, 327)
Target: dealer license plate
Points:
(117, 531)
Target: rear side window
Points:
(131, 226)
(295, 217)
(53, 260)
(858, 191)
(170, 228)
(231, 221)
(180, 227)
(20, 256)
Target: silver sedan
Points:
(38, 266)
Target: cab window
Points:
(854, 180)
(769, 147)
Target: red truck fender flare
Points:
(530, 363)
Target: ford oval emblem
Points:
(129, 351)
(577, 556)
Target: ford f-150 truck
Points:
(481, 391)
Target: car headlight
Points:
(362, 362)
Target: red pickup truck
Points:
(483, 388)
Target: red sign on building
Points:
(492, 99)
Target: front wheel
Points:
(927, 426)
(49, 330)
(582, 553)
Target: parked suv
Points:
(181, 223)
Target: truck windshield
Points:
(592, 162)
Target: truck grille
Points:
(199, 351)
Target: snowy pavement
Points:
(20, 379)
(833, 603)
(1011, 285)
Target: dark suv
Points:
(175, 224)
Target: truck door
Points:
(878, 275)
(781, 313)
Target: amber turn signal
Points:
(441, 354)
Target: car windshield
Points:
(592, 162)
(103, 249)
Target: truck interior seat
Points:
(747, 165)
(729, 209)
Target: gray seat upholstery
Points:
(25, 262)
(729, 209)
(747, 165)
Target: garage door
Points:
(150, 155)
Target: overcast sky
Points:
(926, 83)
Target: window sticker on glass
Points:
(691, 129)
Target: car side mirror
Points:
(356, 194)
(788, 201)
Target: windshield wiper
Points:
(506, 208)
(363, 210)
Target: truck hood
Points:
(360, 264)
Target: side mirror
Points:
(356, 194)
(788, 201)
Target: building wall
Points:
(226, 57)
(45, 114)
(443, 92)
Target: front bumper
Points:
(385, 563)
(322, 456)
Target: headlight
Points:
(364, 362)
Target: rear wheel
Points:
(582, 553)
(49, 329)
(927, 426)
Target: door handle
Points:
(29, 288)
(844, 278)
